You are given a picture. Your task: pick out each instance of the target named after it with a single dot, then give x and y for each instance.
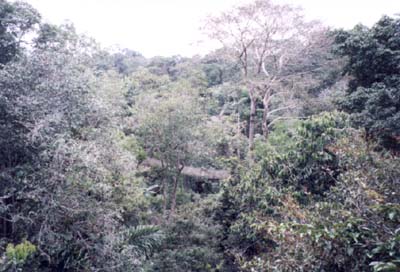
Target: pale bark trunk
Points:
(252, 119)
(165, 198)
(173, 197)
(265, 125)
(265, 128)
(238, 132)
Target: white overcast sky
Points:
(171, 27)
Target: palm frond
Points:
(144, 239)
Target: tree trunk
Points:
(252, 119)
(265, 128)
(173, 196)
(265, 125)
(165, 198)
(238, 132)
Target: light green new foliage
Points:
(17, 254)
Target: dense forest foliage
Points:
(277, 152)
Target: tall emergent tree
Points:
(373, 63)
(265, 38)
